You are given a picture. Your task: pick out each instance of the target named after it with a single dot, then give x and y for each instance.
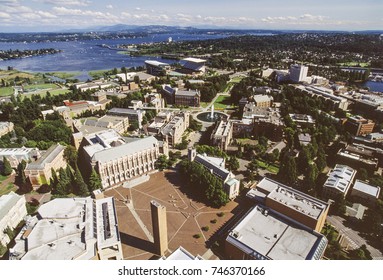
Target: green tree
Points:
(79, 186)
(94, 182)
(360, 253)
(162, 163)
(62, 187)
(288, 169)
(233, 163)
(7, 169)
(71, 155)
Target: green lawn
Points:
(204, 104)
(39, 87)
(269, 167)
(222, 102)
(6, 91)
(7, 189)
(64, 75)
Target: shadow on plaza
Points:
(136, 242)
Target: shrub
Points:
(196, 236)
(214, 221)
(221, 214)
(205, 228)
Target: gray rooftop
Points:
(8, 201)
(270, 235)
(126, 149)
(47, 158)
(187, 93)
(215, 164)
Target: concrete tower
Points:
(160, 229)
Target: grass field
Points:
(64, 75)
(38, 87)
(5, 91)
(269, 167)
(7, 189)
(222, 102)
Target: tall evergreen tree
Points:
(94, 182)
(79, 186)
(7, 169)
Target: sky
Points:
(56, 15)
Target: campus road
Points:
(352, 236)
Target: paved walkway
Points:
(355, 240)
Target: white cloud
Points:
(4, 15)
(11, 3)
(68, 2)
(46, 14)
(303, 19)
(110, 7)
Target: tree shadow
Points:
(136, 242)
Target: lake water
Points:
(88, 55)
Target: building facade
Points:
(118, 159)
(298, 73)
(12, 211)
(17, 155)
(189, 98)
(172, 132)
(222, 134)
(40, 171)
(5, 128)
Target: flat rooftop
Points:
(366, 188)
(292, 198)
(266, 234)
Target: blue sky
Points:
(48, 15)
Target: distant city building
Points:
(39, 172)
(17, 155)
(358, 157)
(75, 108)
(222, 134)
(265, 234)
(12, 211)
(71, 229)
(339, 181)
(5, 128)
(304, 139)
(119, 124)
(265, 121)
(296, 205)
(359, 126)
(302, 119)
(133, 115)
(189, 98)
(193, 65)
(326, 94)
(366, 193)
(263, 101)
(217, 167)
(94, 85)
(118, 159)
(156, 68)
(298, 73)
(155, 100)
(172, 132)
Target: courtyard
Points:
(187, 216)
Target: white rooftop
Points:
(340, 178)
(268, 235)
(195, 60)
(181, 254)
(366, 188)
